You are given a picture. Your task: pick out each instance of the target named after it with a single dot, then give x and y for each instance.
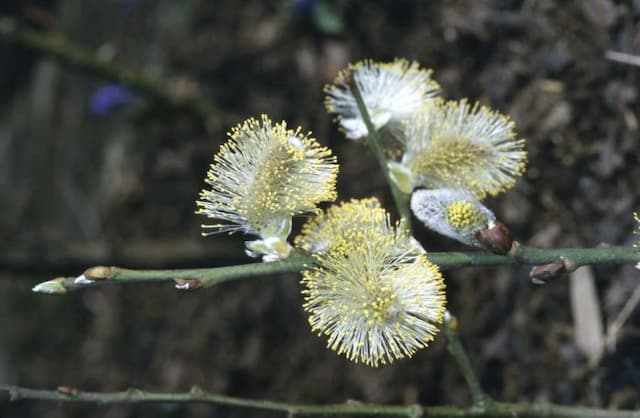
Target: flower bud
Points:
(98, 273)
(547, 272)
(496, 238)
(52, 287)
(453, 213)
(187, 284)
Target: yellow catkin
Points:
(265, 173)
(391, 91)
(374, 293)
(460, 146)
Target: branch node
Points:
(547, 272)
(100, 273)
(67, 390)
(415, 411)
(135, 393)
(188, 284)
(196, 391)
(513, 252)
(14, 394)
(569, 264)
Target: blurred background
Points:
(96, 171)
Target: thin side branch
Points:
(184, 278)
(572, 258)
(481, 400)
(57, 46)
(197, 395)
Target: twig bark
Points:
(207, 277)
(187, 279)
(197, 395)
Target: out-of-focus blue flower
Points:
(305, 6)
(108, 97)
(128, 5)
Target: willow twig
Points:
(196, 395)
(207, 277)
(57, 46)
(184, 278)
(480, 399)
(572, 258)
(399, 198)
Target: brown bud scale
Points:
(99, 273)
(497, 238)
(546, 272)
(67, 390)
(187, 284)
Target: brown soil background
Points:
(78, 190)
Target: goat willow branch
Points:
(571, 258)
(374, 142)
(67, 52)
(197, 395)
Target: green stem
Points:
(69, 53)
(480, 399)
(571, 257)
(185, 278)
(399, 198)
(197, 395)
(207, 277)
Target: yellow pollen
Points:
(452, 160)
(463, 214)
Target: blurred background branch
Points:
(69, 53)
(197, 395)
